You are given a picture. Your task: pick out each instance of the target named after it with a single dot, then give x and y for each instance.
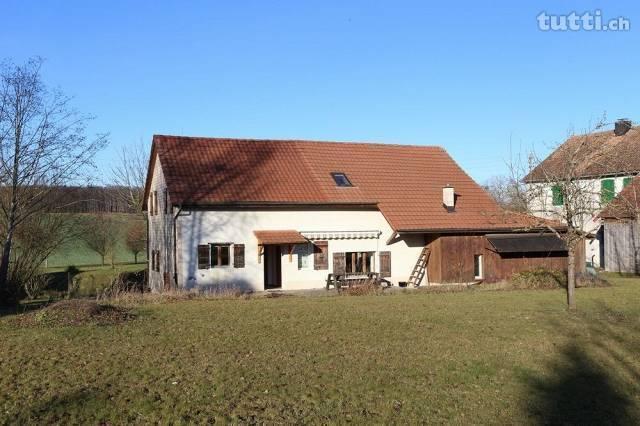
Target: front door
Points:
(272, 267)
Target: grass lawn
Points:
(471, 357)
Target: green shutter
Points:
(558, 198)
(607, 190)
(626, 181)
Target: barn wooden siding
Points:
(452, 256)
(622, 246)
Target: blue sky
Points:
(462, 75)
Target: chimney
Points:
(449, 198)
(622, 126)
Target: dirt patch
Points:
(76, 312)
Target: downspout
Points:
(175, 247)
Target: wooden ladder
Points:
(420, 269)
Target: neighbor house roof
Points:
(596, 154)
(626, 205)
(404, 182)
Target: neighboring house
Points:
(622, 231)
(608, 162)
(263, 214)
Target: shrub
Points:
(539, 278)
(364, 288)
(588, 280)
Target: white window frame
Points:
(480, 260)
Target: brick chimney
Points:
(622, 126)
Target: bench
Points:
(349, 280)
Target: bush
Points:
(365, 288)
(588, 280)
(539, 278)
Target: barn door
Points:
(339, 264)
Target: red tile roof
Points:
(287, 236)
(600, 154)
(626, 205)
(404, 182)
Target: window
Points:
(157, 260)
(358, 262)
(304, 254)
(556, 195)
(341, 179)
(220, 255)
(626, 181)
(477, 267)
(607, 190)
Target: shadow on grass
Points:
(594, 379)
(61, 407)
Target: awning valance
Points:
(341, 235)
(286, 236)
(526, 243)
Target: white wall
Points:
(237, 226)
(541, 195)
(160, 230)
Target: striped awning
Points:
(341, 235)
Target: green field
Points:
(478, 357)
(76, 252)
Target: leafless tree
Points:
(507, 192)
(130, 173)
(42, 146)
(558, 191)
(100, 234)
(136, 238)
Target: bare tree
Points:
(100, 232)
(507, 192)
(130, 173)
(136, 238)
(42, 146)
(558, 190)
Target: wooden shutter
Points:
(238, 255)
(607, 190)
(203, 256)
(320, 255)
(158, 261)
(166, 202)
(385, 264)
(153, 260)
(338, 263)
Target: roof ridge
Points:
(310, 141)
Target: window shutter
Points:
(557, 196)
(155, 202)
(166, 202)
(607, 190)
(203, 256)
(338, 263)
(153, 260)
(320, 255)
(157, 260)
(238, 255)
(626, 181)
(385, 264)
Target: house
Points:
(603, 163)
(622, 231)
(265, 214)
